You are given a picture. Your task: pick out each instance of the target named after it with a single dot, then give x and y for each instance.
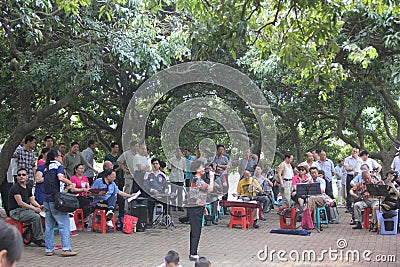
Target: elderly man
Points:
(317, 200)
(363, 198)
(249, 186)
(329, 169)
(24, 208)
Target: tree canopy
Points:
(329, 69)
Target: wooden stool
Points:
(238, 217)
(102, 224)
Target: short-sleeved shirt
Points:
(70, 161)
(140, 160)
(17, 189)
(126, 159)
(396, 163)
(88, 154)
(362, 187)
(247, 187)
(296, 179)
(328, 167)
(197, 192)
(188, 162)
(78, 184)
(341, 170)
(267, 189)
(25, 159)
(222, 160)
(51, 181)
(177, 166)
(352, 163)
(322, 183)
(372, 164)
(112, 189)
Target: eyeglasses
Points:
(22, 174)
(302, 169)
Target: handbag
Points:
(63, 201)
(307, 222)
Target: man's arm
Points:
(123, 194)
(24, 205)
(34, 202)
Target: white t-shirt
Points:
(177, 168)
(140, 160)
(396, 163)
(372, 164)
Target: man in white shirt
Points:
(340, 173)
(396, 161)
(350, 164)
(372, 164)
(176, 168)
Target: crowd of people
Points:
(192, 181)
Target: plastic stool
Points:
(78, 215)
(384, 229)
(238, 217)
(283, 219)
(318, 216)
(19, 225)
(367, 212)
(102, 224)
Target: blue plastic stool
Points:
(318, 216)
(394, 221)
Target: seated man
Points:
(316, 201)
(155, 183)
(249, 186)
(24, 208)
(107, 200)
(358, 178)
(362, 198)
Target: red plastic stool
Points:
(367, 212)
(250, 216)
(102, 224)
(238, 217)
(283, 219)
(78, 215)
(19, 225)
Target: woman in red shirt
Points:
(81, 189)
(301, 177)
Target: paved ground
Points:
(223, 246)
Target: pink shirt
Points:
(78, 184)
(40, 162)
(296, 180)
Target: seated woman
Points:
(390, 202)
(301, 177)
(81, 189)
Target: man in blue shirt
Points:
(107, 200)
(329, 169)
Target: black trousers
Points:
(329, 189)
(4, 191)
(349, 178)
(195, 218)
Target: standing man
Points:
(329, 169)
(24, 208)
(73, 158)
(373, 165)
(222, 163)
(310, 161)
(340, 173)
(88, 154)
(351, 164)
(176, 168)
(123, 160)
(26, 158)
(247, 163)
(48, 142)
(188, 161)
(285, 174)
(141, 166)
(396, 161)
(62, 148)
(199, 156)
(315, 154)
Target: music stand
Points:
(308, 189)
(378, 190)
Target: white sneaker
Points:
(110, 224)
(109, 214)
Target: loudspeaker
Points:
(138, 208)
(140, 211)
